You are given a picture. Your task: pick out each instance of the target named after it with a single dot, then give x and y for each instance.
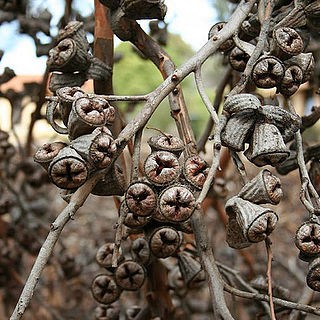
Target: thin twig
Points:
(244, 283)
(277, 301)
(240, 166)
(215, 163)
(305, 298)
(136, 156)
(269, 276)
(204, 97)
(118, 238)
(310, 191)
(217, 101)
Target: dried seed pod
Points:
(313, 276)
(286, 43)
(238, 59)
(287, 122)
(214, 31)
(308, 238)
(306, 62)
(191, 270)
(242, 102)
(195, 170)
(7, 150)
(177, 203)
(267, 72)
(50, 114)
(156, 215)
(66, 56)
(47, 153)
(144, 9)
(130, 275)
(105, 253)
(164, 242)
(132, 220)
(141, 199)
(98, 148)
(109, 312)
(66, 97)
(98, 70)
(140, 251)
(61, 80)
(291, 81)
(166, 142)
(114, 183)
(86, 115)
(68, 170)
(162, 168)
(104, 289)
(266, 146)
(254, 221)
(264, 188)
(237, 130)
(74, 30)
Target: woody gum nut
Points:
(273, 187)
(60, 55)
(166, 142)
(90, 110)
(264, 188)
(74, 30)
(109, 312)
(196, 170)
(177, 203)
(132, 220)
(140, 250)
(164, 242)
(102, 150)
(66, 96)
(129, 275)
(262, 227)
(141, 199)
(104, 289)
(288, 40)
(313, 276)
(267, 72)
(68, 172)
(162, 168)
(47, 152)
(238, 59)
(308, 238)
(242, 102)
(291, 81)
(104, 255)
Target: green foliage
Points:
(134, 75)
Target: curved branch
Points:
(278, 301)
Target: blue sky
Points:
(191, 19)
